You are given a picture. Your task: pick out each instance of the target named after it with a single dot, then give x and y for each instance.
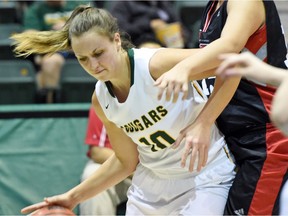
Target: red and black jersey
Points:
(260, 149)
(251, 103)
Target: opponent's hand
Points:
(174, 83)
(60, 200)
(244, 64)
(197, 141)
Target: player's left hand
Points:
(174, 83)
(197, 141)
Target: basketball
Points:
(53, 210)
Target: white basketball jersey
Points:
(155, 124)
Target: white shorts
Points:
(203, 194)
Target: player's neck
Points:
(121, 87)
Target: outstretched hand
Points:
(244, 64)
(34, 207)
(197, 141)
(60, 200)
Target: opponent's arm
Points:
(279, 115)
(244, 18)
(167, 58)
(248, 65)
(251, 67)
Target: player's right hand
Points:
(34, 207)
(60, 200)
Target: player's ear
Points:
(117, 39)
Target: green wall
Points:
(42, 152)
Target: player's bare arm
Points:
(116, 134)
(251, 67)
(118, 167)
(115, 169)
(279, 114)
(164, 60)
(236, 24)
(241, 23)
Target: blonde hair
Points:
(82, 19)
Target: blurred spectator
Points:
(142, 19)
(8, 12)
(100, 4)
(47, 15)
(114, 199)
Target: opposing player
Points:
(240, 106)
(251, 67)
(141, 128)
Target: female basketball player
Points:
(141, 128)
(260, 149)
(248, 65)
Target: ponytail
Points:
(41, 42)
(82, 19)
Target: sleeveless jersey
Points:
(251, 104)
(154, 124)
(259, 148)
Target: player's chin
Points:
(103, 76)
(102, 79)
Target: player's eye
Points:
(82, 59)
(97, 54)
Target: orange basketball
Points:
(53, 211)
